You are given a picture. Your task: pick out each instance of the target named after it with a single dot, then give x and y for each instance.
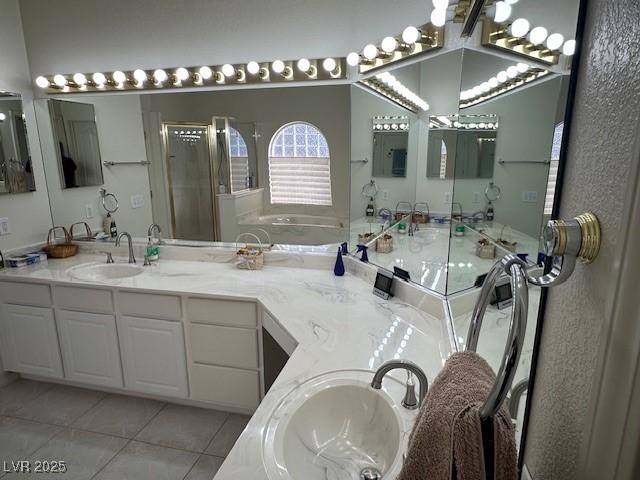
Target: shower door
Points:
(189, 177)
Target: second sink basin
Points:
(105, 272)
(335, 428)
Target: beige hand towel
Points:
(448, 430)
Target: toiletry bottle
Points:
(338, 269)
(153, 251)
(371, 209)
(110, 226)
(489, 215)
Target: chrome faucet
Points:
(153, 228)
(410, 367)
(132, 258)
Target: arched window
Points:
(239, 161)
(299, 170)
(553, 168)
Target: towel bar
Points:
(515, 267)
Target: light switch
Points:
(385, 195)
(447, 197)
(137, 201)
(529, 196)
(4, 226)
(476, 197)
(88, 211)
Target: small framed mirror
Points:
(77, 147)
(390, 145)
(16, 172)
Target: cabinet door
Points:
(153, 356)
(30, 341)
(89, 345)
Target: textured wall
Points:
(606, 124)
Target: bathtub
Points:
(300, 229)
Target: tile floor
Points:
(111, 437)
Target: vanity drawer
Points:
(233, 347)
(149, 305)
(222, 312)
(229, 386)
(21, 293)
(84, 299)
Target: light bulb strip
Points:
(391, 123)
(408, 100)
(201, 76)
(468, 98)
(430, 38)
(498, 36)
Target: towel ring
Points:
(516, 268)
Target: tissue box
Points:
(25, 260)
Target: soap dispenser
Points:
(339, 267)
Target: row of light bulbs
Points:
(494, 82)
(159, 77)
(401, 90)
(503, 81)
(391, 126)
(521, 28)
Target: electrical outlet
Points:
(529, 196)
(88, 211)
(447, 198)
(4, 226)
(385, 195)
(476, 197)
(137, 201)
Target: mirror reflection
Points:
(16, 174)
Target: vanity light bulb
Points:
(438, 17)
(485, 87)
(228, 70)
(119, 77)
(477, 91)
(140, 75)
(538, 35)
(522, 67)
(502, 76)
(353, 59)
(99, 79)
(493, 82)
(329, 64)
(278, 66)
(520, 27)
(80, 79)
(511, 2)
(389, 44)
(205, 72)
(304, 65)
(59, 80)
(502, 12)
(159, 75)
(555, 41)
(512, 71)
(182, 74)
(370, 51)
(42, 82)
(410, 35)
(3, 117)
(569, 47)
(253, 68)
(440, 4)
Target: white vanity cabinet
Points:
(153, 355)
(30, 341)
(89, 344)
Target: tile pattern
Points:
(103, 437)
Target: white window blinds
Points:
(299, 166)
(553, 168)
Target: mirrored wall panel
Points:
(16, 174)
(204, 166)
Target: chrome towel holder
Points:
(565, 242)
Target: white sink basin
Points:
(334, 428)
(105, 272)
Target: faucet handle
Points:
(109, 256)
(410, 401)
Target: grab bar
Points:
(515, 267)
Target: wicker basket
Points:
(59, 250)
(269, 245)
(364, 238)
(485, 249)
(506, 244)
(249, 258)
(384, 243)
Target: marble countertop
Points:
(337, 322)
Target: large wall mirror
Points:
(16, 173)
